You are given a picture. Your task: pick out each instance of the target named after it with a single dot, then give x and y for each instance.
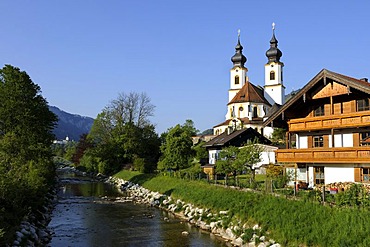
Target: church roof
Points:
(238, 59)
(244, 120)
(249, 93)
(237, 138)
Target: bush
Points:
(139, 164)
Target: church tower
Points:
(238, 74)
(274, 88)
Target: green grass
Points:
(290, 222)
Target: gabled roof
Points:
(236, 138)
(326, 76)
(244, 120)
(249, 93)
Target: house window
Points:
(366, 175)
(365, 139)
(363, 105)
(236, 79)
(318, 141)
(272, 75)
(319, 111)
(319, 175)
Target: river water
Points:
(87, 215)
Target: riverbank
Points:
(288, 222)
(220, 223)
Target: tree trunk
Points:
(253, 171)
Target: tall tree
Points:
(122, 133)
(26, 167)
(176, 149)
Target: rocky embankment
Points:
(235, 231)
(33, 230)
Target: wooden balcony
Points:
(324, 155)
(356, 119)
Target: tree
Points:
(278, 136)
(133, 108)
(83, 144)
(123, 133)
(201, 152)
(176, 149)
(227, 161)
(26, 166)
(249, 156)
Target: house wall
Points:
(333, 173)
(302, 141)
(339, 173)
(267, 157)
(212, 156)
(340, 140)
(348, 140)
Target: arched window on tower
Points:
(236, 79)
(272, 75)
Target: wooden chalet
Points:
(328, 130)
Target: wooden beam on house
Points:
(332, 138)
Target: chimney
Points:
(364, 79)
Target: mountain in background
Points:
(70, 125)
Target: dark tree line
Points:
(26, 167)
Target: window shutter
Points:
(326, 141)
(357, 174)
(309, 140)
(356, 139)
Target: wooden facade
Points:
(327, 123)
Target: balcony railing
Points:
(357, 119)
(324, 155)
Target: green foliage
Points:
(122, 135)
(226, 163)
(26, 166)
(278, 136)
(139, 164)
(289, 222)
(90, 163)
(200, 151)
(276, 174)
(355, 196)
(69, 150)
(237, 160)
(176, 149)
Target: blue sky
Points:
(84, 53)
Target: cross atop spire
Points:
(273, 26)
(238, 59)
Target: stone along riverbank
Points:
(240, 234)
(94, 213)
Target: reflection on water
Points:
(83, 218)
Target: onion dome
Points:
(273, 54)
(238, 59)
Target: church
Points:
(250, 104)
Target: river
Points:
(88, 215)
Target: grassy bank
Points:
(290, 222)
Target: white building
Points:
(249, 104)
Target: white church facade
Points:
(249, 104)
